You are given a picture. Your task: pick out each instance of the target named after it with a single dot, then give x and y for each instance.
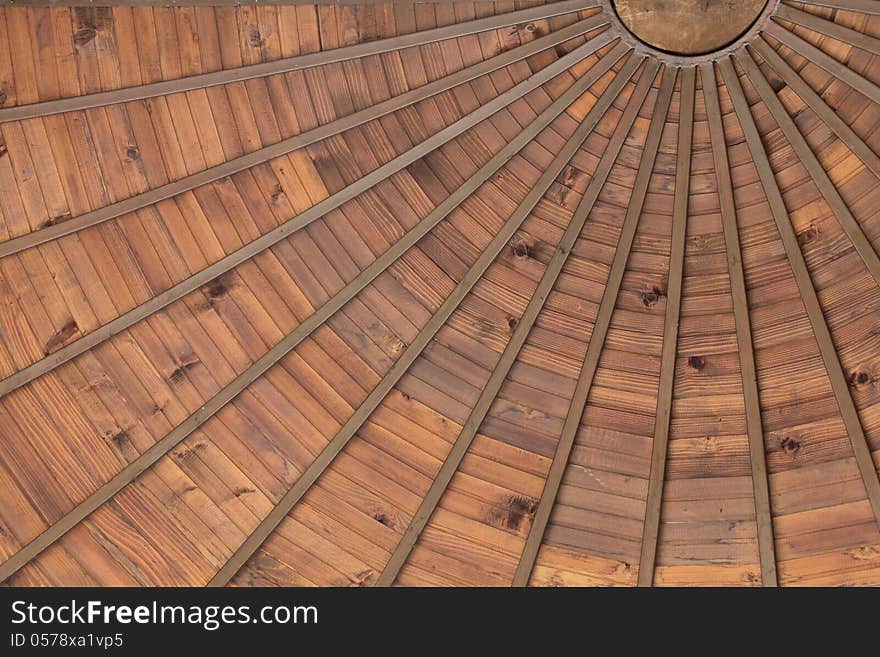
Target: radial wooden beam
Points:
(754, 426)
(415, 348)
(817, 56)
(289, 64)
(285, 146)
(651, 528)
(235, 387)
(862, 6)
(508, 357)
(846, 134)
(801, 273)
(274, 236)
(609, 299)
(811, 163)
(828, 28)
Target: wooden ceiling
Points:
(442, 293)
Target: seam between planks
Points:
(609, 296)
(654, 499)
(301, 220)
(508, 357)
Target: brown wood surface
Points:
(436, 294)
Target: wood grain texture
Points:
(491, 293)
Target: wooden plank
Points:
(863, 6)
(285, 146)
(817, 172)
(829, 28)
(834, 369)
(754, 427)
(274, 236)
(818, 57)
(363, 412)
(232, 389)
(229, 3)
(609, 299)
(654, 499)
(511, 351)
(288, 64)
(846, 134)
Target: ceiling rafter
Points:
(861, 6)
(511, 351)
(748, 373)
(290, 64)
(262, 155)
(654, 499)
(828, 28)
(398, 369)
(301, 220)
(802, 277)
(822, 59)
(819, 176)
(846, 134)
(609, 296)
(310, 324)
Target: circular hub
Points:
(688, 27)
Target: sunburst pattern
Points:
(436, 294)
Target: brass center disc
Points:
(688, 27)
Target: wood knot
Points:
(651, 295)
(216, 289)
(61, 336)
(385, 519)
(808, 235)
(696, 363)
(522, 249)
(51, 221)
(405, 396)
(84, 35)
(3, 97)
(238, 491)
(3, 149)
(255, 38)
(859, 378)
(132, 153)
(790, 446)
(119, 437)
(186, 363)
(531, 27)
(362, 578)
(515, 511)
(277, 194)
(512, 322)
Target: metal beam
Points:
(415, 348)
(508, 357)
(751, 401)
(331, 306)
(609, 298)
(274, 236)
(285, 146)
(288, 64)
(820, 58)
(801, 273)
(817, 172)
(654, 499)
